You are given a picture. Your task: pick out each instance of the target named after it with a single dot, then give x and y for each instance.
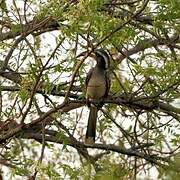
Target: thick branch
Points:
(108, 147)
(44, 117)
(147, 104)
(148, 43)
(49, 26)
(144, 103)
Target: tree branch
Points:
(148, 43)
(144, 103)
(64, 107)
(108, 147)
(49, 26)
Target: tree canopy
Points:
(44, 59)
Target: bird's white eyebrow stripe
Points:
(106, 59)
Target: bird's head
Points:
(103, 58)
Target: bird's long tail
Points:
(91, 127)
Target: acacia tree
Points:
(45, 48)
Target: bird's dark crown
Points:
(103, 58)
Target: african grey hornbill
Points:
(97, 88)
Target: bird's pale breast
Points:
(96, 87)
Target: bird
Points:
(97, 87)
